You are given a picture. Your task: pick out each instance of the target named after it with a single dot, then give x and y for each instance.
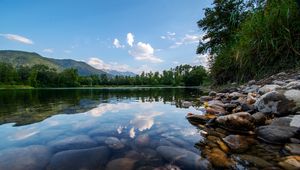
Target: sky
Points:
(124, 35)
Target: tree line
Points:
(249, 39)
(43, 76)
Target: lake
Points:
(109, 128)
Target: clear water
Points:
(140, 118)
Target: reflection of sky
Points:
(129, 118)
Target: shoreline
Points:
(257, 124)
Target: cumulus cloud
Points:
(145, 52)
(18, 38)
(48, 50)
(130, 39)
(187, 39)
(117, 43)
(100, 64)
(201, 60)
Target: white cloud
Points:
(100, 64)
(187, 39)
(17, 38)
(117, 43)
(171, 33)
(145, 52)
(169, 36)
(130, 39)
(201, 60)
(48, 50)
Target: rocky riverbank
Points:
(256, 125)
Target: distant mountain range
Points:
(22, 58)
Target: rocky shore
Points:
(256, 125)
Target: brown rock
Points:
(238, 143)
(290, 163)
(241, 121)
(219, 159)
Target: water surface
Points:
(132, 123)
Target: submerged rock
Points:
(241, 121)
(199, 119)
(219, 159)
(121, 163)
(93, 158)
(74, 142)
(33, 157)
(183, 158)
(238, 143)
(114, 143)
(255, 161)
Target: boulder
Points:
(74, 142)
(277, 134)
(268, 88)
(291, 121)
(183, 158)
(259, 118)
(251, 89)
(274, 102)
(212, 93)
(241, 121)
(205, 98)
(293, 85)
(278, 82)
(238, 143)
(292, 148)
(251, 82)
(290, 163)
(198, 119)
(34, 157)
(294, 96)
(93, 158)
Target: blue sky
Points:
(126, 35)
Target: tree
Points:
(220, 23)
(69, 78)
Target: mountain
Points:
(120, 73)
(22, 58)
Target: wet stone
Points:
(34, 157)
(238, 143)
(114, 143)
(183, 158)
(121, 163)
(255, 161)
(94, 158)
(74, 142)
(292, 148)
(277, 134)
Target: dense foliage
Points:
(43, 76)
(251, 39)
